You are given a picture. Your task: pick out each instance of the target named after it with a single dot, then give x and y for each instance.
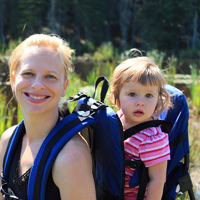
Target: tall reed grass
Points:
(195, 89)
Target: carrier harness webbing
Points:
(53, 143)
(141, 175)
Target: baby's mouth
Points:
(139, 112)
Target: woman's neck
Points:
(38, 126)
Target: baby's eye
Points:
(132, 94)
(149, 95)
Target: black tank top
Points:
(19, 184)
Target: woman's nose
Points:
(37, 83)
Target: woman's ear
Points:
(12, 81)
(65, 87)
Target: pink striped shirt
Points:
(149, 145)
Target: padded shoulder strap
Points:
(153, 123)
(17, 134)
(50, 148)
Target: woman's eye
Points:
(27, 74)
(149, 95)
(51, 77)
(132, 94)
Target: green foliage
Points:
(157, 56)
(2, 48)
(11, 45)
(75, 83)
(6, 112)
(195, 89)
(92, 76)
(30, 17)
(170, 71)
(83, 46)
(104, 52)
(104, 61)
(164, 25)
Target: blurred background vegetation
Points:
(102, 32)
(171, 26)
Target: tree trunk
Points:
(52, 18)
(3, 40)
(195, 31)
(125, 9)
(133, 25)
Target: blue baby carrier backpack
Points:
(178, 178)
(102, 129)
(174, 121)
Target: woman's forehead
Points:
(43, 57)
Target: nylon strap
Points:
(135, 129)
(104, 88)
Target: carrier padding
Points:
(109, 154)
(177, 115)
(54, 142)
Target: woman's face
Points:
(39, 81)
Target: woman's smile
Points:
(36, 98)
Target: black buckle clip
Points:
(133, 163)
(7, 192)
(95, 104)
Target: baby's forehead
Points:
(134, 84)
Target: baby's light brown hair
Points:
(146, 72)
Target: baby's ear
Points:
(117, 103)
(157, 110)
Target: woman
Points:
(38, 76)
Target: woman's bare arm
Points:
(72, 171)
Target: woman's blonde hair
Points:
(145, 71)
(53, 42)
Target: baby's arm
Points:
(157, 178)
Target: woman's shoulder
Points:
(75, 147)
(74, 154)
(4, 142)
(7, 134)
(73, 165)
(73, 162)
